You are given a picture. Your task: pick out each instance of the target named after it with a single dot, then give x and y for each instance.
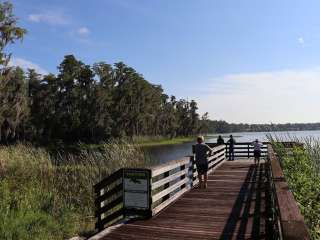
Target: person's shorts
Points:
(202, 168)
(257, 153)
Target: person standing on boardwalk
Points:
(202, 150)
(257, 150)
(220, 140)
(231, 142)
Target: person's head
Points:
(257, 140)
(219, 137)
(231, 136)
(200, 139)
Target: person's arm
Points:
(209, 149)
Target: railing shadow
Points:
(237, 223)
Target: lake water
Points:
(165, 153)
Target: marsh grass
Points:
(42, 197)
(150, 141)
(301, 168)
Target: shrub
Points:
(42, 197)
(301, 169)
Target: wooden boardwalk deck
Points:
(232, 207)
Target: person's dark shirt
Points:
(201, 150)
(220, 141)
(231, 142)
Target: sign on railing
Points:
(136, 189)
(145, 192)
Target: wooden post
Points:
(292, 222)
(227, 151)
(191, 167)
(183, 176)
(166, 174)
(99, 225)
(248, 151)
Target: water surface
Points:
(165, 153)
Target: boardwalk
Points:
(232, 207)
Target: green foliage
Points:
(148, 141)
(83, 103)
(221, 126)
(301, 169)
(13, 109)
(91, 104)
(46, 198)
(9, 31)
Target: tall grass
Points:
(150, 141)
(42, 197)
(301, 168)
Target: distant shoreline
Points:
(164, 141)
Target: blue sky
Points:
(243, 61)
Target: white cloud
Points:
(264, 97)
(83, 31)
(25, 64)
(51, 18)
(301, 40)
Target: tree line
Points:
(83, 102)
(214, 126)
(91, 103)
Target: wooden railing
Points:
(167, 183)
(245, 150)
(172, 179)
(285, 219)
(109, 200)
(216, 158)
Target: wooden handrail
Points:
(168, 181)
(241, 149)
(165, 167)
(109, 200)
(291, 221)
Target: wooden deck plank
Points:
(232, 207)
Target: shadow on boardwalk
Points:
(250, 194)
(232, 207)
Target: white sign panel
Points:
(136, 189)
(135, 184)
(136, 200)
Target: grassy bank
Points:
(146, 141)
(50, 198)
(302, 171)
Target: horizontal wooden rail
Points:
(245, 150)
(218, 156)
(172, 179)
(165, 167)
(241, 149)
(109, 200)
(167, 183)
(291, 222)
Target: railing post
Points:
(166, 174)
(248, 151)
(227, 151)
(183, 167)
(99, 225)
(191, 167)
